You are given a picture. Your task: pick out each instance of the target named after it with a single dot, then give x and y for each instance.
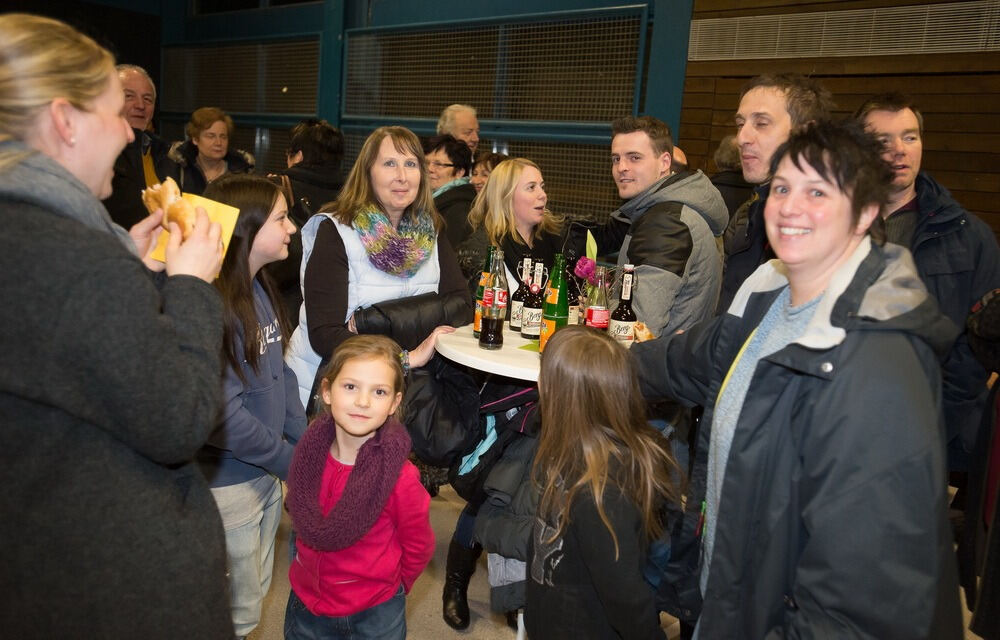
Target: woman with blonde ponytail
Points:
(110, 378)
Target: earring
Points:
(72, 141)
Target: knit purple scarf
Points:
(368, 488)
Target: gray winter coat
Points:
(671, 240)
(108, 389)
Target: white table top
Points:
(509, 360)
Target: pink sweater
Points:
(395, 550)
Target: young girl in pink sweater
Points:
(357, 505)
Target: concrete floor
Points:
(423, 605)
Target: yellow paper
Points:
(217, 212)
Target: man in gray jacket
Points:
(667, 228)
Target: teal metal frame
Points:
(661, 81)
(499, 128)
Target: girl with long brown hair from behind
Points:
(603, 474)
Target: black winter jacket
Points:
(454, 205)
(734, 189)
(125, 202)
(746, 246)
(833, 509)
(578, 589)
(505, 519)
(957, 258)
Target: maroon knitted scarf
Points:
(368, 488)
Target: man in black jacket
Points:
(771, 107)
(955, 253)
(144, 161)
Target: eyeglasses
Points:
(434, 164)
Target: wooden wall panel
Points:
(959, 95)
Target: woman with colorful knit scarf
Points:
(374, 262)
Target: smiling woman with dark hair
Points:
(817, 505)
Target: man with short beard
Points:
(771, 107)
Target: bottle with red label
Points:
(478, 318)
(531, 316)
(621, 325)
(597, 306)
(494, 304)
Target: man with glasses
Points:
(449, 163)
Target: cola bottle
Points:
(494, 305)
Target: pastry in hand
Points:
(167, 196)
(642, 332)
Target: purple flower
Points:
(585, 269)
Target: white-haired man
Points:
(143, 161)
(459, 120)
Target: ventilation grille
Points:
(577, 176)
(561, 70)
(275, 77)
(906, 30)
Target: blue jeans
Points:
(385, 621)
(465, 528)
(251, 512)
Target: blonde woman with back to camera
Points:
(110, 378)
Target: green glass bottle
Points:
(555, 312)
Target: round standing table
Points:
(509, 360)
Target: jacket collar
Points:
(877, 285)
(934, 202)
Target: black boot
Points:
(461, 565)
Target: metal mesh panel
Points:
(271, 147)
(570, 70)
(929, 28)
(276, 77)
(577, 176)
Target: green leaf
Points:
(591, 246)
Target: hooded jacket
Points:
(957, 257)
(192, 180)
(672, 228)
(833, 508)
